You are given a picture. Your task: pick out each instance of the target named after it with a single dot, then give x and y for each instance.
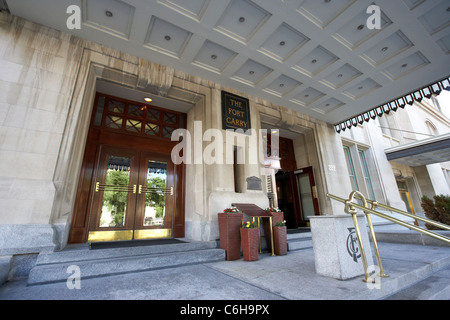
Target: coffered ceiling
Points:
(317, 57)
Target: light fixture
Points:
(108, 13)
(148, 99)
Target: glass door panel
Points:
(306, 196)
(115, 192)
(154, 213)
(155, 194)
(114, 198)
(133, 197)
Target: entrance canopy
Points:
(423, 152)
(331, 60)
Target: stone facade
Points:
(47, 86)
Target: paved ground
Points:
(291, 277)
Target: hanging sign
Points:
(235, 112)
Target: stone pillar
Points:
(336, 251)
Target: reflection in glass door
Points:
(133, 197)
(115, 192)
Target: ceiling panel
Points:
(323, 12)
(241, 20)
(111, 16)
(251, 72)
(283, 42)
(314, 56)
(166, 37)
(213, 57)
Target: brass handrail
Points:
(350, 208)
(429, 221)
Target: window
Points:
(351, 168)
(356, 157)
(384, 125)
(369, 187)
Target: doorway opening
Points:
(129, 187)
(296, 188)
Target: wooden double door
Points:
(129, 187)
(134, 196)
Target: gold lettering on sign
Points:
(235, 112)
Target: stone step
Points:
(299, 241)
(434, 287)
(54, 267)
(300, 244)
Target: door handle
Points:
(314, 192)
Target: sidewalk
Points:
(291, 277)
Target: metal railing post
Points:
(350, 208)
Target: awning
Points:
(394, 105)
(422, 152)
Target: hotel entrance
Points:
(133, 197)
(129, 188)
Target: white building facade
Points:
(51, 85)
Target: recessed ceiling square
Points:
(282, 85)
(316, 61)
(328, 106)
(406, 66)
(166, 38)
(387, 49)
(283, 43)
(193, 8)
(307, 97)
(241, 20)
(355, 32)
(437, 18)
(213, 57)
(362, 88)
(322, 12)
(341, 76)
(251, 72)
(111, 16)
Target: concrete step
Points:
(299, 241)
(54, 267)
(434, 287)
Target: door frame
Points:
(313, 185)
(133, 227)
(98, 136)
